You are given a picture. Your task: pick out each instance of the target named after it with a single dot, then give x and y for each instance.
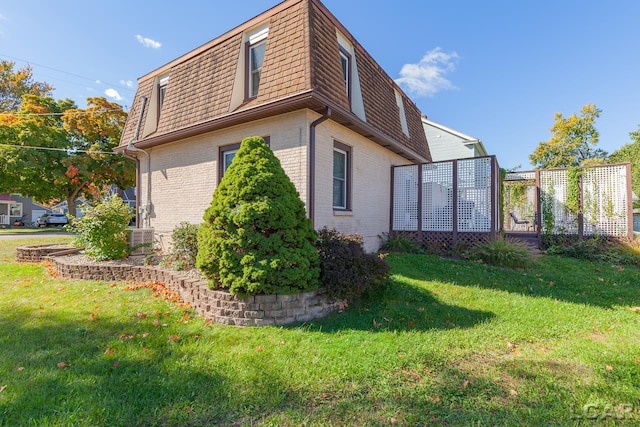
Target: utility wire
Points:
(59, 149)
(66, 72)
(58, 114)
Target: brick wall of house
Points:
(371, 168)
(185, 173)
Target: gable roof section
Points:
(301, 69)
(465, 139)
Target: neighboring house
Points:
(63, 207)
(295, 76)
(448, 144)
(127, 195)
(14, 207)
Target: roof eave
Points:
(308, 99)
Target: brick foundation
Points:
(218, 305)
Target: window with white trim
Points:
(162, 91)
(341, 176)
(15, 209)
(256, 48)
(345, 61)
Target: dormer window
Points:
(162, 91)
(256, 47)
(345, 61)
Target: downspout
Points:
(130, 147)
(312, 164)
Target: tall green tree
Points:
(630, 153)
(256, 237)
(55, 151)
(573, 141)
(16, 83)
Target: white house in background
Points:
(449, 144)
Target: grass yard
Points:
(449, 343)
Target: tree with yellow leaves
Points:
(573, 142)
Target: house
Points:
(63, 207)
(448, 144)
(14, 207)
(297, 77)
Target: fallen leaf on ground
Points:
(62, 365)
(109, 351)
(174, 338)
(465, 384)
(435, 399)
(20, 369)
(3, 388)
(141, 315)
(259, 348)
(608, 368)
(512, 392)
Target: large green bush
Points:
(256, 238)
(346, 270)
(102, 231)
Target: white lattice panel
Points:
(474, 195)
(553, 193)
(604, 197)
(437, 196)
(520, 176)
(405, 198)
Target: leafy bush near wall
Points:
(346, 270)
(102, 231)
(256, 237)
(503, 252)
(399, 243)
(184, 249)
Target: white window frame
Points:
(345, 62)
(258, 39)
(345, 203)
(14, 205)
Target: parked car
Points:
(56, 219)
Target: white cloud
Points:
(147, 42)
(112, 93)
(426, 78)
(98, 82)
(127, 83)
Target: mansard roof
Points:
(301, 69)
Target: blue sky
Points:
(496, 70)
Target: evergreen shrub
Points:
(256, 238)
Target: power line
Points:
(66, 72)
(59, 149)
(58, 114)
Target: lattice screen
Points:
(405, 198)
(604, 200)
(437, 196)
(474, 195)
(555, 218)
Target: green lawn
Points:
(449, 343)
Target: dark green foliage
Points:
(256, 238)
(184, 248)
(503, 252)
(102, 231)
(346, 270)
(598, 248)
(399, 243)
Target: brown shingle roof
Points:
(301, 69)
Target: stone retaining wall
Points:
(37, 253)
(217, 305)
